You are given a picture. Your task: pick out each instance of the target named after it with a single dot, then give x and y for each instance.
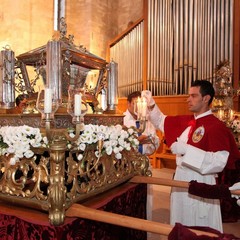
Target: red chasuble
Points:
(208, 133)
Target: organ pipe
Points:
(187, 39)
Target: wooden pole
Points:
(159, 181)
(77, 210)
(167, 182)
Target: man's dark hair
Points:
(133, 95)
(206, 88)
(20, 97)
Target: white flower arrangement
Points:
(115, 139)
(17, 141)
(235, 125)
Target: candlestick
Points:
(48, 100)
(77, 104)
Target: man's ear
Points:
(206, 98)
(128, 104)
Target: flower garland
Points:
(18, 141)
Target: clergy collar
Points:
(203, 114)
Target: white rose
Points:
(80, 157)
(28, 153)
(109, 150)
(13, 160)
(118, 156)
(82, 146)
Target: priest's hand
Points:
(148, 95)
(179, 147)
(236, 186)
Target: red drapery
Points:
(128, 199)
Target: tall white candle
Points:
(139, 108)
(231, 115)
(48, 100)
(55, 22)
(77, 104)
(144, 107)
(221, 114)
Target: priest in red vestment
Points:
(204, 147)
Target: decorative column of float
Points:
(7, 82)
(57, 143)
(112, 87)
(54, 69)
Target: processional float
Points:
(62, 173)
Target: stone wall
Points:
(25, 24)
(128, 13)
(28, 24)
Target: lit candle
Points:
(231, 115)
(220, 114)
(48, 100)
(77, 104)
(139, 108)
(144, 107)
(55, 22)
